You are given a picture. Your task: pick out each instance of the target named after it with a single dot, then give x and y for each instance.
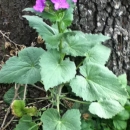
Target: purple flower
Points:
(75, 1)
(60, 4)
(40, 5)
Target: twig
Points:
(25, 91)
(7, 124)
(8, 110)
(1, 102)
(4, 36)
(38, 87)
(36, 102)
(47, 106)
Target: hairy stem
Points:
(58, 97)
(60, 31)
(70, 99)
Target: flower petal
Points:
(74, 1)
(40, 5)
(60, 4)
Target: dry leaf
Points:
(7, 45)
(86, 116)
(40, 40)
(13, 53)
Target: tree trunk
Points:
(112, 18)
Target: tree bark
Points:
(112, 18)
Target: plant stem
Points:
(58, 97)
(59, 29)
(60, 45)
(80, 64)
(25, 91)
(75, 100)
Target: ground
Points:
(14, 30)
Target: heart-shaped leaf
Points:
(54, 71)
(75, 44)
(105, 108)
(69, 121)
(26, 123)
(98, 54)
(23, 69)
(9, 95)
(98, 82)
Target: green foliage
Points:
(9, 95)
(18, 109)
(123, 80)
(98, 82)
(93, 39)
(26, 123)
(49, 34)
(23, 69)
(54, 69)
(69, 121)
(120, 120)
(97, 51)
(106, 108)
(119, 124)
(87, 125)
(67, 18)
(74, 44)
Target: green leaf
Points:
(54, 71)
(87, 125)
(69, 121)
(67, 18)
(33, 11)
(93, 39)
(26, 123)
(105, 108)
(31, 111)
(107, 129)
(47, 15)
(23, 69)
(9, 95)
(17, 108)
(49, 34)
(123, 115)
(77, 43)
(98, 82)
(123, 80)
(74, 44)
(128, 89)
(98, 54)
(119, 124)
(50, 15)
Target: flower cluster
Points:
(58, 4)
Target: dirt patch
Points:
(11, 20)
